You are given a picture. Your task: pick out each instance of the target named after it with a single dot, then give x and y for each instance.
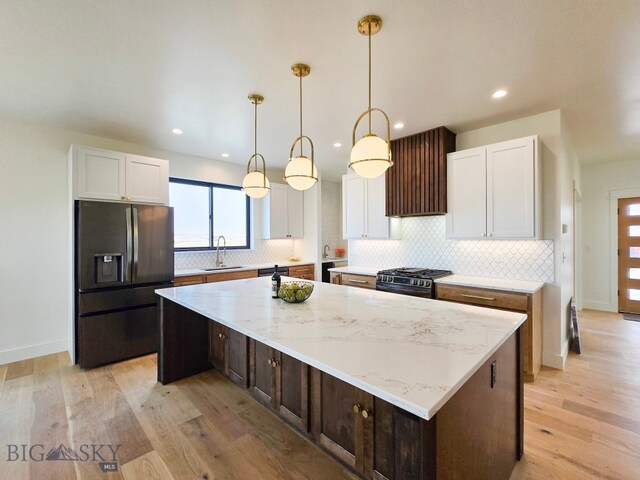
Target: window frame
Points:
(211, 186)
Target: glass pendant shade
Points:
(255, 184)
(300, 173)
(370, 157)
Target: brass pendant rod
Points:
(255, 130)
(301, 154)
(369, 35)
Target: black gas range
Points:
(418, 282)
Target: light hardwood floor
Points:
(580, 423)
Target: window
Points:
(204, 211)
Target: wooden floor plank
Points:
(148, 467)
(19, 369)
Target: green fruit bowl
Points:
(295, 292)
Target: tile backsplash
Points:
(424, 244)
(264, 251)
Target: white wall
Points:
(602, 185)
(35, 274)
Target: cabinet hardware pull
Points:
(269, 361)
(478, 297)
(351, 280)
(491, 234)
(123, 198)
(484, 234)
(366, 413)
(221, 335)
(357, 408)
(274, 364)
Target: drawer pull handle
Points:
(357, 409)
(221, 335)
(366, 413)
(351, 280)
(478, 297)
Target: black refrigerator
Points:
(123, 253)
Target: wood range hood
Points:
(416, 184)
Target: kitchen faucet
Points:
(224, 252)
(325, 253)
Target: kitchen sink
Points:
(215, 269)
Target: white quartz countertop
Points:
(256, 266)
(506, 284)
(412, 352)
(356, 270)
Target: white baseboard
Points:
(32, 351)
(602, 306)
(554, 360)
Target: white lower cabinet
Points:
(493, 191)
(283, 212)
(106, 175)
(363, 209)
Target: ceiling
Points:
(135, 70)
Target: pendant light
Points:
(255, 183)
(301, 172)
(371, 155)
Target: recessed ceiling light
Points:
(337, 144)
(225, 155)
(177, 131)
(398, 125)
(499, 94)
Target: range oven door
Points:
(405, 290)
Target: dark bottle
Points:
(275, 283)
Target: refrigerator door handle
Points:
(127, 276)
(135, 243)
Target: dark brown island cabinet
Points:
(476, 434)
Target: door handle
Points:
(478, 297)
(127, 275)
(135, 243)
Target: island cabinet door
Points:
(336, 421)
(238, 358)
(262, 378)
(218, 346)
(403, 446)
(292, 391)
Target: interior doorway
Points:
(629, 255)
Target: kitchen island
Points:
(393, 386)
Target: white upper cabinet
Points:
(100, 174)
(147, 179)
(283, 212)
(466, 194)
(353, 206)
(511, 189)
(493, 191)
(105, 175)
(363, 209)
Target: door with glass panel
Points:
(629, 255)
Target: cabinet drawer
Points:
(302, 271)
(363, 281)
(482, 297)
(188, 280)
(224, 276)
